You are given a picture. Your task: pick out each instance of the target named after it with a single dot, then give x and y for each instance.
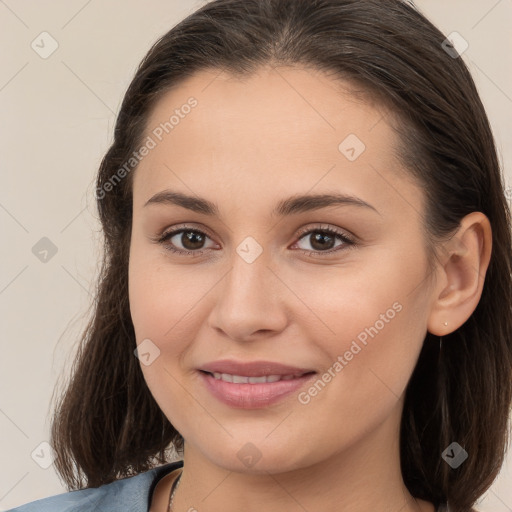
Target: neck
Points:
(365, 476)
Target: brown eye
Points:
(184, 241)
(320, 241)
(323, 240)
(192, 240)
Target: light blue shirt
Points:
(132, 494)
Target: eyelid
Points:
(349, 240)
(191, 226)
(302, 231)
(327, 227)
(167, 233)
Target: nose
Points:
(249, 301)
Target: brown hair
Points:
(107, 424)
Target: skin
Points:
(248, 144)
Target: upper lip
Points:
(253, 368)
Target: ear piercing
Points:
(441, 344)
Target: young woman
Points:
(306, 289)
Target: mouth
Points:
(253, 392)
(241, 369)
(245, 379)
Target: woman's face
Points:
(258, 278)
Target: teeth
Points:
(257, 380)
(241, 379)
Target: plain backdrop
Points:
(57, 116)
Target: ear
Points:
(462, 266)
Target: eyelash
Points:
(348, 242)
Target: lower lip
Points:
(252, 396)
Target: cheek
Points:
(159, 310)
(370, 359)
(167, 304)
(156, 293)
(370, 322)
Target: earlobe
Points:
(462, 264)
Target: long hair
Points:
(107, 425)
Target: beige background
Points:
(57, 118)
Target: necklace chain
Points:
(173, 490)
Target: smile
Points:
(242, 379)
(244, 392)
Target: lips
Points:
(253, 369)
(242, 379)
(253, 385)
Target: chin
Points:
(241, 455)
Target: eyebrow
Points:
(290, 206)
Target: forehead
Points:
(297, 103)
(293, 128)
